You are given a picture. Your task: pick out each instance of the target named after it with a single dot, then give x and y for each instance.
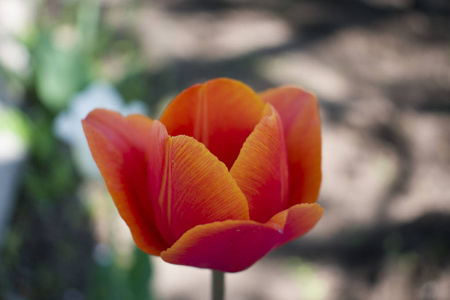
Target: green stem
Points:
(218, 285)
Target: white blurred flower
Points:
(16, 16)
(14, 56)
(67, 125)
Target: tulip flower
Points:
(225, 176)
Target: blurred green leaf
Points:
(43, 142)
(139, 276)
(88, 20)
(60, 73)
(17, 122)
(110, 282)
(134, 87)
(50, 173)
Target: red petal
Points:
(261, 169)
(194, 188)
(297, 220)
(220, 113)
(119, 147)
(299, 113)
(233, 246)
(229, 246)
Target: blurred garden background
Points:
(381, 71)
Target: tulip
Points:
(225, 176)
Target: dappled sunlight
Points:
(206, 36)
(380, 70)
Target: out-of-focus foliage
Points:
(48, 250)
(59, 73)
(64, 56)
(14, 120)
(112, 281)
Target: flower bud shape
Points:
(225, 176)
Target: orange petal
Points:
(220, 114)
(157, 162)
(196, 188)
(119, 147)
(299, 113)
(261, 169)
(233, 246)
